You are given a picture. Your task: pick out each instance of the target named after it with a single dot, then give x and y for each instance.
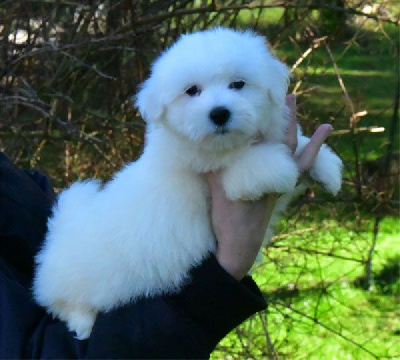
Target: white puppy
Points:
(208, 98)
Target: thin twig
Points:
(315, 45)
(318, 252)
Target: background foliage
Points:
(68, 72)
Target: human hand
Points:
(240, 226)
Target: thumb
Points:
(306, 158)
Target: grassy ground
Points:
(318, 305)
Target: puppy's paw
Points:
(327, 170)
(80, 319)
(261, 169)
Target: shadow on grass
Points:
(386, 282)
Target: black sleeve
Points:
(185, 325)
(25, 203)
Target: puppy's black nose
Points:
(220, 115)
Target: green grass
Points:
(318, 307)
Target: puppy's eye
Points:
(193, 90)
(237, 85)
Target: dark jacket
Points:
(184, 325)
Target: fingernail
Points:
(329, 129)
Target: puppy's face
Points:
(218, 89)
(219, 113)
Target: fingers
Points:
(291, 132)
(307, 156)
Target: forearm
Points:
(239, 248)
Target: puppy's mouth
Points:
(221, 131)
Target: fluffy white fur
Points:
(140, 233)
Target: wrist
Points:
(236, 266)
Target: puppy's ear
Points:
(279, 77)
(149, 102)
